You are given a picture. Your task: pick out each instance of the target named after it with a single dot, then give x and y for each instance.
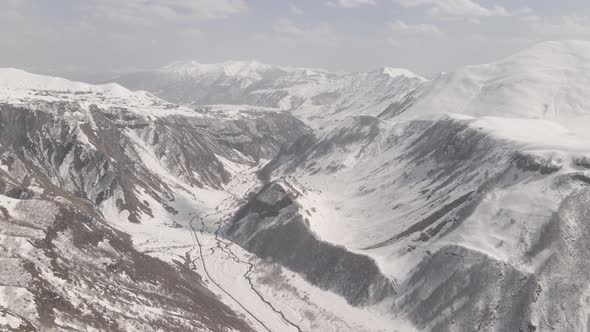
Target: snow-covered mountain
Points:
(318, 97)
(79, 164)
(453, 204)
(471, 196)
(548, 81)
(112, 204)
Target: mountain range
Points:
(248, 197)
(318, 97)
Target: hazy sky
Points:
(343, 35)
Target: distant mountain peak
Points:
(241, 69)
(252, 69)
(546, 81)
(313, 94)
(395, 72)
(228, 68)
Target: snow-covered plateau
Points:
(248, 197)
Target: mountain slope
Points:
(465, 190)
(548, 81)
(78, 164)
(147, 187)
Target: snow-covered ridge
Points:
(548, 81)
(17, 79)
(252, 69)
(255, 70)
(539, 97)
(19, 87)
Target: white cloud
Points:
(455, 8)
(142, 12)
(295, 10)
(14, 3)
(350, 3)
(11, 3)
(193, 33)
(570, 26)
(531, 18)
(13, 8)
(402, 28)
(292, 35)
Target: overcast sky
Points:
(426, 36)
